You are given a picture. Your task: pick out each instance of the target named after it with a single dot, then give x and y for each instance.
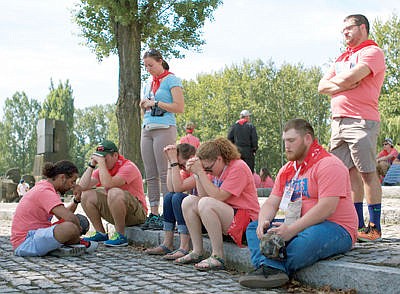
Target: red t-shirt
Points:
(392, 152)
(326, 178)
(190, 139)
(34, 211)
(238, 180)
(133, 181)
(268, 183)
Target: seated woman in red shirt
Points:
(225, 203)
(266, 178)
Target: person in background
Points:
(325, 222)
(161, 100)
(118, 196)
(189, 138)
(226, 203)
(244, 135)
(257, 179)
(386, 157)
(32, 232)
(354, 83)
(179, 181)
(22, 188)
(266, 178)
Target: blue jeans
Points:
(172, 211)
(314, 243)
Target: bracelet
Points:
(174, 164)
(91, 165)
(76, 201)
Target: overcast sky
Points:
(39, 41)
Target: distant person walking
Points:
(162, 98)
(22, 188)
(244, 135)
(354, 83)
(189, 138)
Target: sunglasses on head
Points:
(103, 149)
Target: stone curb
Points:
(337, 274)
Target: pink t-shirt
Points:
(257, 180)
(393, 152)
(190, 139)
(238, 180)
(326, 178)
(34, 211)
(268, 183)
(133, 181)
(362, 101)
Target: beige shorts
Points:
(354, 142)
(135, 214)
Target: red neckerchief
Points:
(155, 84)
(120, 162)
(242, 121)
(315, 153)
(349, 51)
(189, 131)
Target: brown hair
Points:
(265, 174)
(51, 170)
(359, 19)
(300, 125)
(218, 147)
(185, 150)
(156, 55)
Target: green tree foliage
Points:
(59, 104)
(18, 133)
(387, 35)
(123, 27)
(273, 95)
(92, 125)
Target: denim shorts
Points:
(38, 243)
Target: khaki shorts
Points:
(135, 214)
(354, 142)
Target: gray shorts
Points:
(354, 142)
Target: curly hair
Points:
(218, 147)
(51, 170)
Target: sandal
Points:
(192, 257)
(178, 253)
(159, 250)
(214, 262)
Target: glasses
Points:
(384, 144)
(209, 168)
(348, 28)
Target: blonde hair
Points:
(218, 147)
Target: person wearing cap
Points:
(386, 157)
(118, 197)
(22, 188)
(354, 84)
(189, 138)
(244, 135)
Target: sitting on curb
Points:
(178, 182)
(33, 234)
(225, 204)
(327, 222)
(118, 196)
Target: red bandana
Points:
(157, 80)
(349, 51)
(315, 153)
(242, 121)
(120, 162)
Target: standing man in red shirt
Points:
(354, 83)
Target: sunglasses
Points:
(103, 149)
(209, 168)
(384, 144)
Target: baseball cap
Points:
(388, 140)
(105, 148)
(190, 125)
(245, 113)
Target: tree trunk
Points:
(128, 110)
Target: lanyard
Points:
(288, 192)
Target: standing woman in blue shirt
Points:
(161, 100)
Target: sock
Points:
(360, 214)
(375, 215)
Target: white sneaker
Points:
(66, 251)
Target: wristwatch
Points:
(174, 164)
(155, 103)
(76, 201)
(91, 165)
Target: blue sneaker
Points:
(97, 237)
(117, 240)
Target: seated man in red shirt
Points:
(118, 197)
(386, 157)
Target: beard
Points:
(297, 154)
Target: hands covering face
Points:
(194, 165)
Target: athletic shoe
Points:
(90, 246)
(117, 240)
(68, 251)
(157, 224)
(97, 237)
(149, 219)
(369, 234)
(264, 277)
